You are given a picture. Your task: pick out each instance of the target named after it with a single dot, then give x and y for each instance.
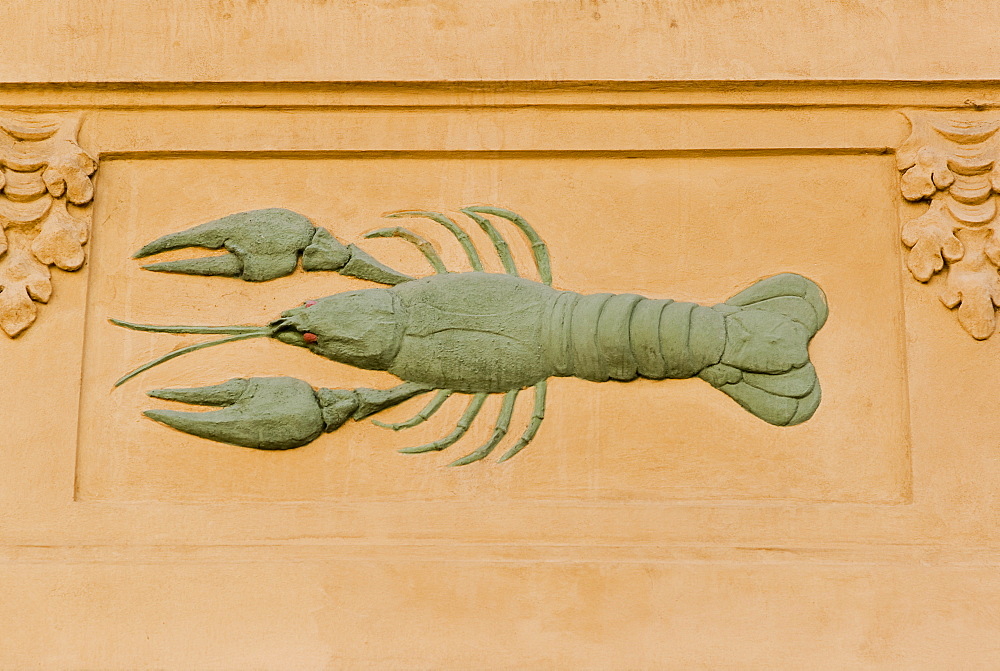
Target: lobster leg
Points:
(456, 230)
(425, 247)
(370, 401)
(422, 416)
(503, 249)
(539, 249)
(475, 405)
(534, 423)
(499, 431)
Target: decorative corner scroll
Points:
(44, 214)
(950, 159)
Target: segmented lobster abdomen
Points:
(603, 337)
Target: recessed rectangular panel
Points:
(688, 228)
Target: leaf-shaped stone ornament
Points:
(42, 171)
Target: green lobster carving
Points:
(474, 333)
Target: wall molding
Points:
(44, 215)
(950, 160)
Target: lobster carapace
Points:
(474, 333)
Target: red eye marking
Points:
(309, 304)
(309, 337)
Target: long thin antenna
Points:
(156, 328)
(190, 348)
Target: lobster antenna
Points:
(156, 328)
(259, 333)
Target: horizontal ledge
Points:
(55, 96)
(493, 85)
(284, 106)
(706, 501)
(488, 153)
(491, 552)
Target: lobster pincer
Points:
(266, 413)
(273, 413)
(264, 245)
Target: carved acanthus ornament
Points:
(951, 160)
(44, 218)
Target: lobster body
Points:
(484, 332)
(493, 333)
(474, 332)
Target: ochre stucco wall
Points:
(673, 149)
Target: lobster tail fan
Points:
(766, 367)
(794, 296)
(785, 399)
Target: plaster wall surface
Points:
(672, 149)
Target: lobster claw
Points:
(265, 413)
(262, 245)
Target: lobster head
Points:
(360, 328)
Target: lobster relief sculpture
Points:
(472, 333)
